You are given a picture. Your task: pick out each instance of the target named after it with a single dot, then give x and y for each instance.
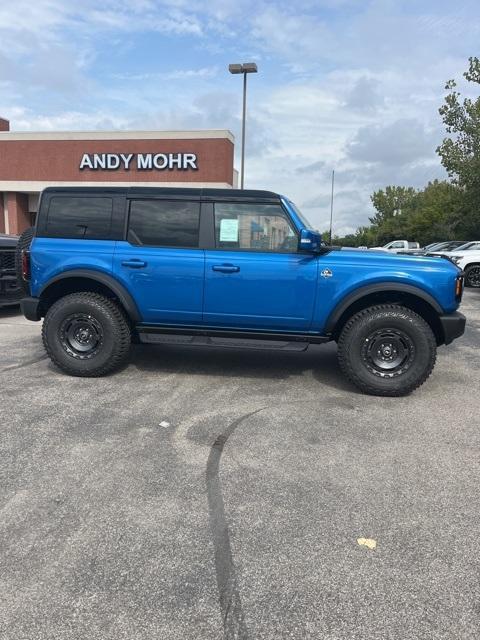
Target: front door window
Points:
(253, 227)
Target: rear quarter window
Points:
(88, 218)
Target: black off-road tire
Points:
(77, 315)
(377, 338)
(472, 276)
(24, 242)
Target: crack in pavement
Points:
(234, 625)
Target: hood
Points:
(400, 260)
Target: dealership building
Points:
(30, 162)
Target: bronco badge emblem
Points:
(326, 273)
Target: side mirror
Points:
(309, 241)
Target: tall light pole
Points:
(246, 67)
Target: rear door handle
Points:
(134, 263)
(226, 268)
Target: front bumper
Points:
(31, 308)
(453, 326)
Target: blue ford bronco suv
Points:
(229, 268)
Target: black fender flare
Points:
(118, 289)
(357, 294)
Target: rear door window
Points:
(164, 223)
(88, 218)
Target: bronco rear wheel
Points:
(86, 334)
(387, 350)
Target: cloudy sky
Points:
(353, 85)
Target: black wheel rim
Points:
(81, 336)
(474, 277)
(388, 353)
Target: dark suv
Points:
(227, 268)
(10, 290)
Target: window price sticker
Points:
(229, 230)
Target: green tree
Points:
(366, 236)
(393, 207)
(460, 151)
(346, 241)
(432, 213)
(391, 203)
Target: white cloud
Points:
(365, 95)
(176, 74)
(294, 37)
(26, 120)
(394, 144)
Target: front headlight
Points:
(455, 259)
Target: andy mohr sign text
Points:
(139, 161)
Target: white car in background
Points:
(467, 246)
(469, 262)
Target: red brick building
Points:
(30, 162)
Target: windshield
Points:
(454, 245)
(465, 246)
(300, 215)
(436, 246)
(468, 246)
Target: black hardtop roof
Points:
(182, 192)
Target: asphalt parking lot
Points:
(220, 494)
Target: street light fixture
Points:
(246, 67)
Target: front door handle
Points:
(134, 263)
(226, 268)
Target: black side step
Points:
(204, 337)
(232, 343)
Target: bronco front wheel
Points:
(86, 334)
(387, 350)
